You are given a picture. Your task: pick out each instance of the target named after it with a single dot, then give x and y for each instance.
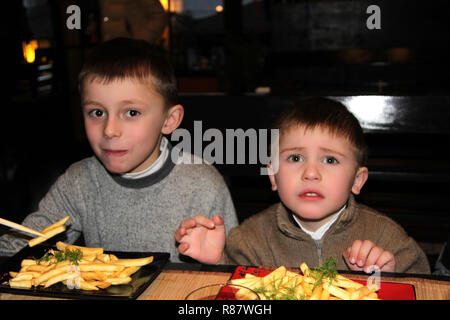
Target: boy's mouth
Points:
(311, 195)
(114, 153)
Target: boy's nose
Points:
(311, 172)
(112, 128)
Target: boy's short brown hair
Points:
(327, 114)
(124, 58)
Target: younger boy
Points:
(321, 163)
(130, 196)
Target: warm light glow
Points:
(172, 5)
(219, 8)
(165, 4)
(29, 50)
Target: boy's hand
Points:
(201, 238)
(363, 254)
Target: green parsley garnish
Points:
(327, 271)
(73, 256)
(46, 257)
(277, 293)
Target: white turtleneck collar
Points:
(318, 234)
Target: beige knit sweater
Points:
(272, 238)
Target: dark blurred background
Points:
(238, 62)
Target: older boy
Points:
(321, 163)
(131, 196)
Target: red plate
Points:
(388, 290)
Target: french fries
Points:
(49, 232)
(82, 267)
(86, 251)
(282, 284)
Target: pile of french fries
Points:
(93, 271)
(282, 284)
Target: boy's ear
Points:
(360, 179)
(273, 182)
(174, 117)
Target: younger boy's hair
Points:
(326, 114)
(124, 58)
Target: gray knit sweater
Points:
(128, 215)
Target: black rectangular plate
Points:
(139, 280)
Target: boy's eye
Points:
(97, 113)
(330, 160)
(295, 158)
(132, 113)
